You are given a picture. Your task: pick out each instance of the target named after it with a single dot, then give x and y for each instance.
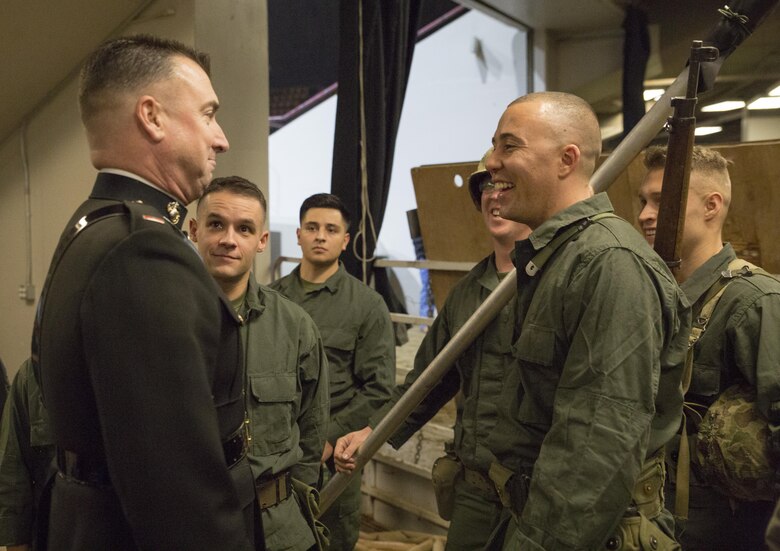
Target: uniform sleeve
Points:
(374, 371)
(603, 406)
(435, 340)
(16, 478)
(753, 333)
(315, 405)
(153, 322)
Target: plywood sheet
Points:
(755, 203)
(452, 229)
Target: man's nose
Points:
(221, 144)
(647, 213)
(228, 238)
(492, 163)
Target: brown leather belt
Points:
(273, 490)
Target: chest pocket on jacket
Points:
(536, 345)
(705, 380)
(340, 349)
(273, 402)
(534, 350)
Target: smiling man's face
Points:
(522, 165)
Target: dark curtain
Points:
(636, 51)
(389, 34)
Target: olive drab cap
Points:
(477, 178)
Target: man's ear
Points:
(346, 242)
(713, 204)
(193, 230)
(263, 241)
(298, 235)
(148, 114)
(570, 159)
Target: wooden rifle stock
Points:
(674, 194)
(730, 31)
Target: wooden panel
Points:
(452, 229)
(755, 202)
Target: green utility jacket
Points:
(287, 402)
(358, 336)
(26, 453)
(479, 371)
(741, 342)
(602, 334)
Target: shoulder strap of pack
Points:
(541, 258)
(737, 268)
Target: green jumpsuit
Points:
(740, 344)
(358, 336)
(287, 403)
(601, 336)
(479, 372)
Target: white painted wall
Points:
(453, 102)
(60, 171)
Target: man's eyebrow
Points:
(213, 104)
(503, 137)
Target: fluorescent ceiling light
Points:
(775, 91)
(653, 94)
(707, 130)
(723, 106)
(765, 103)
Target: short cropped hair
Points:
(702, 158)
(325, 201)
(705, 161)
(127, 63)
(238, 186)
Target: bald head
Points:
(544, 152)
(570, 119)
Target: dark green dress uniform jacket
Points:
(602, 332)
(287, 401)
(26, 453)
(140, 371)
(358, 337)
(479, 371)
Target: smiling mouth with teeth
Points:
(501, 186)
(495, 212)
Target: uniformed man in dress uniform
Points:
(137, 350)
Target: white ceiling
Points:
(44, 42)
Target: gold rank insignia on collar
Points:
(173, 212)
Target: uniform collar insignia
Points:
(174, 215)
